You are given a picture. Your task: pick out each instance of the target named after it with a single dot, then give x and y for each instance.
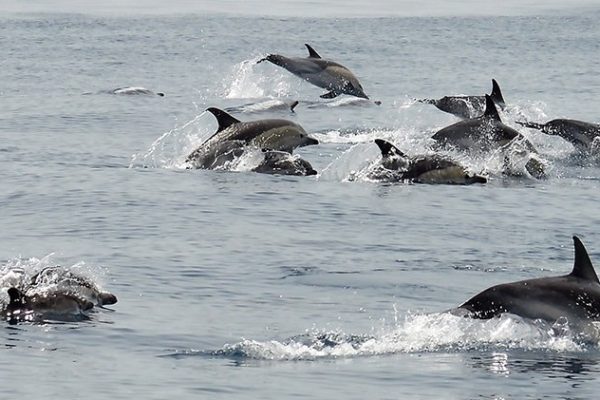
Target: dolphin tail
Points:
(490, 109)
(388, 149)
(330, 95)
(496, 94)
(528, 124)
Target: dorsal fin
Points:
(388, 149)
(224, 119)
(496, 94)
(583, 267)
(15, 295)
(490, 109)
(311, 52)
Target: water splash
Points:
(440, 332)
(248, 80)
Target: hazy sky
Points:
(304, 8)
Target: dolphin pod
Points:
(467, 106)
(321, 72)
(582, 135)
(397, 166)
(575, 296)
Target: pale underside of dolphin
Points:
(233, 136)
(323, 73)
(435, 168)
(584, 136)
(468, 106)
(575, 296)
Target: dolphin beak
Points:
(311, 172)
(311, 141)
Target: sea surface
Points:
(238, 285)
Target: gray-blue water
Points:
(233, 284)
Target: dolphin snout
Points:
(107, 298)
(311, 141)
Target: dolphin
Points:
(233, 135)
(397, 166)
(56, 305)
(73, 283)
(483, 133)
(467, 106)
(580, 134)
(283, 163)
(135, 91)
(575, 296)
(323, 73)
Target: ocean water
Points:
(233, 284)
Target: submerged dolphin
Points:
(233, 135)
(320, 72)
(50, 305)
(135, 91)
(397, 166)
(575, 296)
(282, 163)
(467, 106)
(582, 135)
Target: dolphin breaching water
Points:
(487, 133)
(233, 136)
(435, 168)
(484, 133)
(584, 136)
(283, 163)
(575, 296)
(468, 106)
(321, 72)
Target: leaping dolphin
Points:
(582, 135)
(435, 168)
(323, 73)
(233, 135)
(467, 106)
(575, 296)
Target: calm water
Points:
(238, 285)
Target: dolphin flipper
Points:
(15, 296)
(583, 267)
(330, 95)
(293, 105)
(311, 52)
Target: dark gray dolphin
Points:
(233, 135)
(575, 296)
(435, 168)
(468, 106)
(320, 72)
(283, 163)
(483, 133)
(55, 305)
(579, 133)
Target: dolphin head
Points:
(283, 163)
(285, 138)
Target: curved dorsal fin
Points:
(224, 119)
(490, 109)
(388, 149)
(311, 52)
(583, 267)
(496, 94)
